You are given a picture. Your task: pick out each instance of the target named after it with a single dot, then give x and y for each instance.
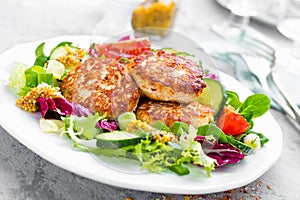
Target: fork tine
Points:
(261, 49)
(258, 47)
(259, 43)
(262, 44)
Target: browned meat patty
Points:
(167, 77)
(194, 113)
(102, 85)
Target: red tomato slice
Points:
(231, 122)
(125, 48)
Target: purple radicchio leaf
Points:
(212, 76)
(92, 50)
(61, 106)
(54, 108)
(127, 37)
(223, 153)
(107, 125)
(80, 110)
(45, 104)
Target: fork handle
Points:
(293, 106)
(285, 108)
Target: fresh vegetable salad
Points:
(126, 99)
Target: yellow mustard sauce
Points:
(156, 14)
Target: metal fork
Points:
(260, 58)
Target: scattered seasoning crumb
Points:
(227, 197)
(241, 193)
(256, 197)
(228, 191)
(163, 197)
(246, 190)
(169, 197)
(187, 197)
(261, 183)
(194, 197)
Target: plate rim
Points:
(130, 185)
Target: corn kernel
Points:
(163, 136)
(29, 103)
(72, 58)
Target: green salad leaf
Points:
(84, 127)
(193, 152)
(39, 51)
(17, 80)
(262, 137)
(41, 60)
(180, 169)
(29, 77)
(40, 57)
(212, 129)
(233, 99)
(161, 126)
(255, 105)
(180, 127)
(156, 156)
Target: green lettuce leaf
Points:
(155, 156)
(83, 127)
(193, 152)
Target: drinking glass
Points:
(240, 13)
(289, 25)
(117, 17)
(288, 59)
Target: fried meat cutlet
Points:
(194, 113)
(103, 85)
(167, 77)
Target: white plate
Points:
(59, 151)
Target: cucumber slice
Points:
(240, 145)
(117, 139)
(214, 95)
(125, 118)
(60, 50)
(56, 68)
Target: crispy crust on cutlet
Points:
(102, 85)
(194, 113)
(167, 77)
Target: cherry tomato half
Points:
(125, 48)
(231, 122)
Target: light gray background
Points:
(26, 176)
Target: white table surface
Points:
(25, 175)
